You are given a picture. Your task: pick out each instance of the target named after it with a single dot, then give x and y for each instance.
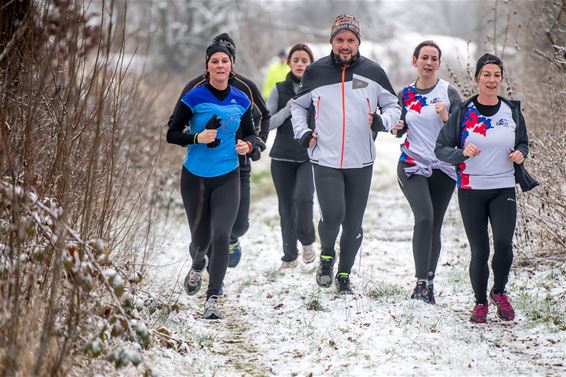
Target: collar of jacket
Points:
(292, 77)
(334, 60)
(512, 104)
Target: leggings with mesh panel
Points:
(498, 208)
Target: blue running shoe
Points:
(235, 254)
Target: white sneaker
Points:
(193, 282)
(211, 310)
(288, 265)
(309, 253)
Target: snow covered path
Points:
(283, 324)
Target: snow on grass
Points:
(282, 323)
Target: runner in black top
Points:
(291, 169)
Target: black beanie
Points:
(217, 47)
(488, 59)
(229, 42)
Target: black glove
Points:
(213, 124)
(255, 154)
(306, 139)
(260, 144)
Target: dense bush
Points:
(75, 178)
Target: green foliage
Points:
(383, 291)
(542, 310)
(313, 303)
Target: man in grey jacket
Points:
(353, 99)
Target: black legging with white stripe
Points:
(342, 196)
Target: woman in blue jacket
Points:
(210, 182)
(484, 138)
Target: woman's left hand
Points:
(242, 147)
(517, 157)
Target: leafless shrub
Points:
(76, 176)
(541, 234)
(532, 45)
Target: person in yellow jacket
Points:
(275, 73)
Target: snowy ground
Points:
(283, 324)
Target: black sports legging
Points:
(497, 206)
(295, 190)
(242, 223)
(429, 198)
(342, 196)
(211, 205)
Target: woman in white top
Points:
(426, 182)
(486, 139)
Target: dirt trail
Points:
(284, 324)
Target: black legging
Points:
(295, 189)
(211, 205)
(242, 222)
(428, 198)
(497, 206)
(342, 196)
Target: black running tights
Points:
(429, 198)
(498, 207)
(342, 196)
(211, 205)
(295, 190)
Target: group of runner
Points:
(327, 115)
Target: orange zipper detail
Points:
(317, 109)
(343, 117)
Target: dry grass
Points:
(78, 149)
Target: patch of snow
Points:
(282, 323)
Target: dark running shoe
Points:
(193, 281)
(420, 292)
(211, 310)
(342, 282)
(431, 299)
(235, 254)
(479, 314)
(325, 271)
(504, 309)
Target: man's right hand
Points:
(314, 135)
